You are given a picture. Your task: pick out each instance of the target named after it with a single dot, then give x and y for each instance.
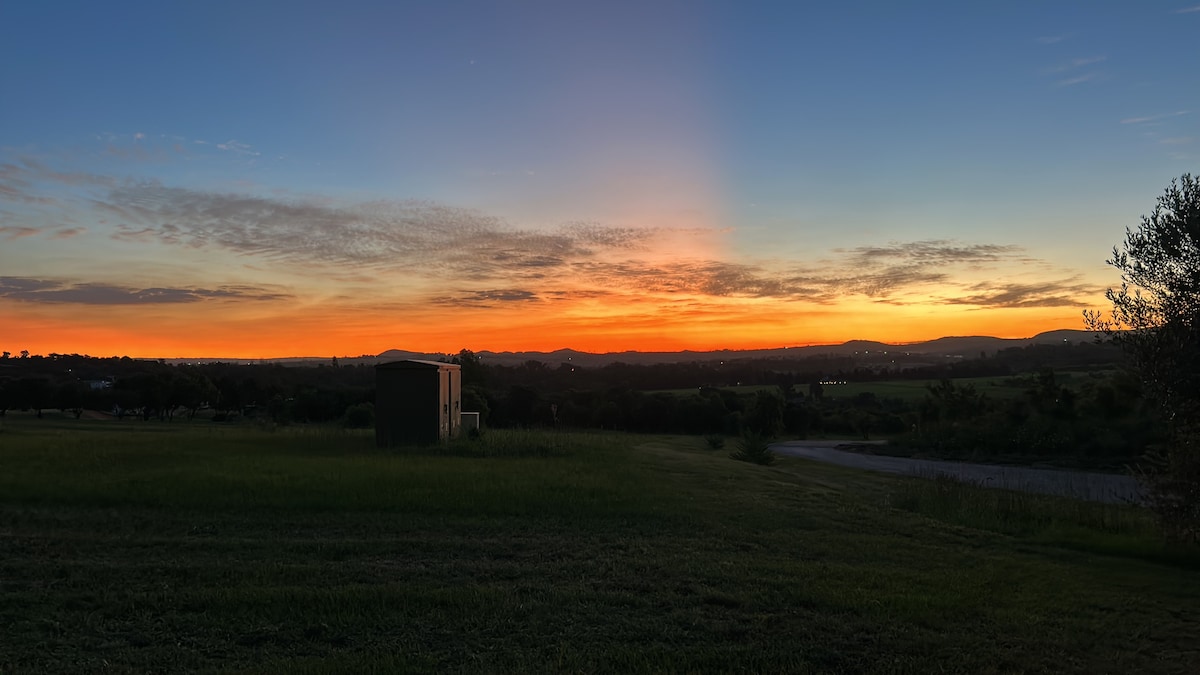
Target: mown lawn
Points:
(168, 548)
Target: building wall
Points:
(417, 403)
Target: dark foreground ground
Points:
(168, 548)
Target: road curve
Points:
(1097, 487)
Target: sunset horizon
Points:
(547, 348)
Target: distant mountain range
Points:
(948, 347)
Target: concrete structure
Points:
(470, 420)
(417, 402)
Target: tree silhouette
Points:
(1156, 318)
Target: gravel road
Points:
(1098, 487)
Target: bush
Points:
(715, 441)
(359, 416)
(753, 448)
(1170, 479)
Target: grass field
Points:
(147, 547)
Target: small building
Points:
(417, 402)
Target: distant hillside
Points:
(954, 347)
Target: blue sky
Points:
(179, 176)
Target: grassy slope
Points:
(156, 548)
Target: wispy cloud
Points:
(238, 148)
(489, 298)
(1051, 39)
(12, 232)
(1188, 10)
(1075, 71)
(68, 232)
(24, 289)
(382, 234)
(1078, 79)
(1154, 118)
(1058, 293)
(478, 259)
(1076, 64)
(932, 252)
(885, 273)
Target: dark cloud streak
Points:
(1062, 293)
(24, 289)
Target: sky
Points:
(269, 179)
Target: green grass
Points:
(151, 547)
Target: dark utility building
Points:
(416, 402)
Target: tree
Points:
(69, 398)
(1156, 319)
(33, 393)
(473, 372)
(765, 417)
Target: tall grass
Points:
(1113, 529)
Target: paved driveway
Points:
(1098, 487)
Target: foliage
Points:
(1086, 419)
(714, 441)
(359, 416)
(1155, 317)
(765, 416)
(753, 448)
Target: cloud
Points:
(68, 232)
(1076, 64)
(692, 277)
(11, 232)
(1188, 10)
(885, 273)
(711, 278)
(1064, 70)
(933, 252)
(477, 259)
(420, 237)
(1153, 118)
(1060, 293)
(1071, 81)
(25, 289)
(17, 184)
(487, 298)
(435, 241)
(1051, 39)
(238, 148)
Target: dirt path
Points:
(1099, 487)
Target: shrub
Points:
(753, 448)
(359, 416)
(715, 441)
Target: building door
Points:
(445, 433)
